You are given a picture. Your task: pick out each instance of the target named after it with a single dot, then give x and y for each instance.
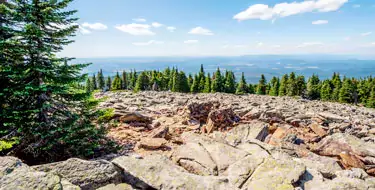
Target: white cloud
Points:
(366, 34)
(156, 24)
(200, 31)
(191, 41)
(139, 20)
(308, 44)
(347, 38)
(136, 29)
(83, 30)
(318, 22)
(95, 26)
(265, 12)
(147, 43)
(260, 44)
(356, 6)
(276, 46)
(171, 28)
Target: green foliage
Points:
(313, 87)
(207, 84)
(242, 86)
(117, 84)
(105, 115)
(108, 83)
(124, 81)
(262, 86)
(292, 88)
(195, 86)
(142, 82)
(283, 85)
(275, 85)
(217, 83)
(6, 145)
(230, 82)
(301, 85)
(101, 82)
(326, 91)
(94, 85)
(46, 109)
(346, 91)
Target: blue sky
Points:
(222, 27)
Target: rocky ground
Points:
(218, 141)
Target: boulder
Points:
(85, 174)
(275, 174)
(195, 159)
(243, 132)
(160, 132)
(16, 175)
(121, 186)
(221, 119)
(318, 129)
(128, 117)
(241, 170)
(198, 111)
(152, 143)
(277, 136)
(158, 172)
(332, 117)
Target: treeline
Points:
(336, 89)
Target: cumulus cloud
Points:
(139, 20)
(265, 12)
(308, 44)
(171, 28)
(136, 29)
(201, 31)
(318, 22)
(95, 26)
(191, 41)
(83, 30)
(151, 42)
(260, 44)
(366, 34)
(156, 24)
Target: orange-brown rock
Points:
(277, 136)
(152, 143)
(350, 161)
(318, 129)
(221, 119)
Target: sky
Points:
(117, 28)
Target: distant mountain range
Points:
(252, 65)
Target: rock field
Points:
(218, 141)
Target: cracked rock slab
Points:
(160, 173)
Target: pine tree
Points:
(313, 88)
(108, 83)
(190, 80)
(207, 85)
(346, 91)
(336, 81)
(201, 78)
(242, 86)
(230, 83)
(116, 84)
(101, 82)
(292, 85)
(300, 85)
(262, 86)
(251, 89)
(54, 123)
(142, 82)
(88, 85)
(124, 80)
(275, 84)
(371, 100)
(94, 82)
(283, 85)
(326, 91)
(195, 86)
(217, 83)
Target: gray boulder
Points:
(16, 175)
(85, 174)
(156, 171)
